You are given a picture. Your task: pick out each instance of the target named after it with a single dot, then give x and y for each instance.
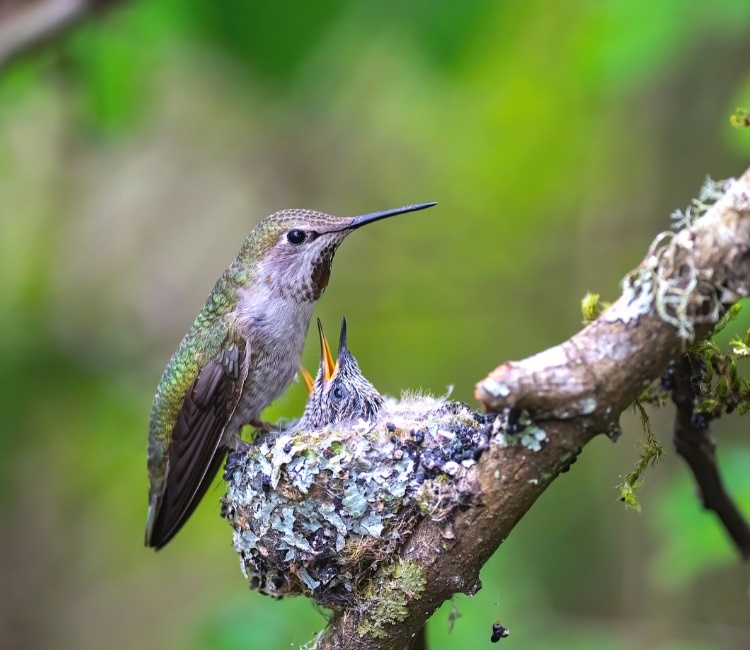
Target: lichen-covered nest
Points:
(316, 512)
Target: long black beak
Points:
(376, 216)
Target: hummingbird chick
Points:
(240, 354)
(339, 393)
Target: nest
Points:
(316, 513)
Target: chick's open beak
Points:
(309, 382)
(326, 360)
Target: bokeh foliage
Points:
(137, 152)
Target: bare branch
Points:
(25, 25)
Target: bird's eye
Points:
(338, 393)
(296, 237)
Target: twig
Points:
(29, 24)
(696, 446)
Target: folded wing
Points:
(195, 452)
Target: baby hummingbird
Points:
(240, 354)
(339, 393)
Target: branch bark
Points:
(575, 391)
(26, 25)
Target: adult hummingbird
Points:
(339, 392)
(240, 354)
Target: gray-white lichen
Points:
(322, 513)
(668, 282)
(711, 191)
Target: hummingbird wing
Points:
(195, 453)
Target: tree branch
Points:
(26, 25)
(693, 442)
(573, 392)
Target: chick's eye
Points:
(296, 237)
(338, 393)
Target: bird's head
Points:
(294, 249)
(339, 392)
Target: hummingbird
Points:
(339, 392)
(240, 354)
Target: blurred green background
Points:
(138, 151)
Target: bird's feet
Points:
(241, 446)
(261, 427)
(265, 427)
